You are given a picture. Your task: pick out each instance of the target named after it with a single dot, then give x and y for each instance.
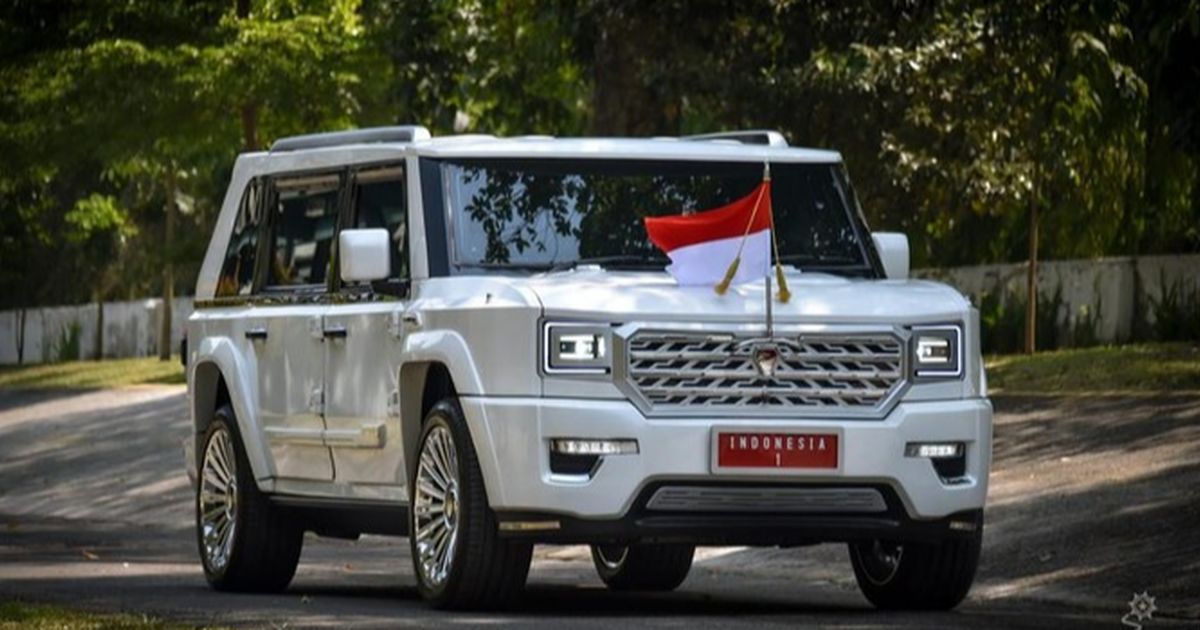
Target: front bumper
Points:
(511, 437)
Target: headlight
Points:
(937, 351)
(571, 348)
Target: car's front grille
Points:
(847, 374)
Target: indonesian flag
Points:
(703, 246)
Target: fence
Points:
(88, 331)
(1080, 302)
(1084, 302)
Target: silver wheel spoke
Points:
(436, 507)
(217, 500)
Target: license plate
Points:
(777, 450)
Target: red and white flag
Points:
(703, 246)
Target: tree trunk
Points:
(1032, 290)
(98, 341)
(624, 102)
(249, 111)
(164, 330)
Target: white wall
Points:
(130, 329)
(1121, 290)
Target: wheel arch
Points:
(218, 377)
(424, 381)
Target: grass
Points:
(14, 615)
(1145, 367)
(93, 374)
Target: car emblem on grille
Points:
(766, 359)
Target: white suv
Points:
(471, 341)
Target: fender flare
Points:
(236, 371)
(449, 349)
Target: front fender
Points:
(450, 349)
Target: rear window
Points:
(237, 272)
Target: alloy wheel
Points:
(218, 500)
(436, 506)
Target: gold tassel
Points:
(723, 285)
(784, 293)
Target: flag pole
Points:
(784, 293)
(723, 285)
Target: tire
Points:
(263, 544)
(643, 567)
(925, 576)
(459, 559)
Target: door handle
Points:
(335, 332)
(255, 334)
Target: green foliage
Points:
(1176, 311)
(97, 214)
(955, 118)
(67, 347)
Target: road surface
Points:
(1092, 500)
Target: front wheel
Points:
(643, 567)
(916, 576)
(459, 559)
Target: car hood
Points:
(816, 298)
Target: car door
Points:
(287, 328)
(363, 361)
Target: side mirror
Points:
(893, 252)
(364, 255)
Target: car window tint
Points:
(380, 202)
(305, 217)
(237, 271)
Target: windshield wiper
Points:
(627, 261)
(820, 260)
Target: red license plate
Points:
(777, 450)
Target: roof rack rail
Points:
(749, 136)
(369, 135)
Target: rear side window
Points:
(304, 218)
(380, 202)
(237, 272)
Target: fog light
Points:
(578, 446)
(934, 450)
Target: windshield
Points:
(548, 214)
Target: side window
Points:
(237, 272)
(380, 201)
(304, 217)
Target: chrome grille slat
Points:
(847, 373)
(766, 499)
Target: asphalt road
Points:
(1093, 499)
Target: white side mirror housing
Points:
(893, 253)
(364, 255)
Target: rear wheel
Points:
(459, 559)
(916, 576)
(643, 567)
(246, 543)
